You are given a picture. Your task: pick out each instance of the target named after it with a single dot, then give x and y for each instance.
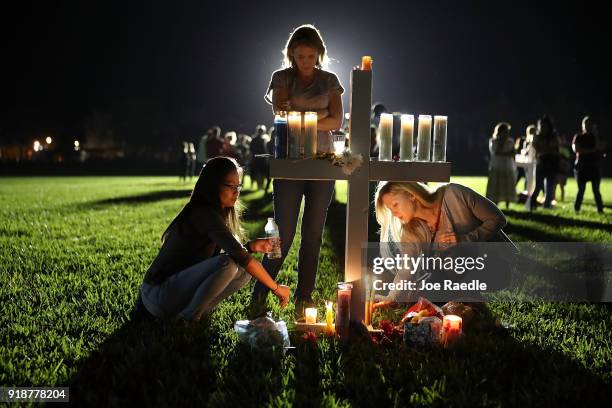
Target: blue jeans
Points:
(546, 171)
(287, 200)
(196, 290)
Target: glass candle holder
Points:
(451, 329)
(295, 134)
(280, 141)
(310, 134)
(424, 138)
(406, 137)
(339, 140)
(385, 136)
(439, 139)
(343, 311)
(311, 315)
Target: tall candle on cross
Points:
(406, 137)
(424, 138)
(385, 134)
(310, 134)
(439, 139)
(295, 134)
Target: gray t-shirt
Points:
(314, 97)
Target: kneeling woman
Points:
(190, 275)
(413, 213)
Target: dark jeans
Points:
(287, 200)
(584, 175)
(546, 171)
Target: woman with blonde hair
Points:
(303, 85)
(414, 213)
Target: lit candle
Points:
(385, 135)
(295, 134)
(366, 63)
(329, 318)
(424, 138)
(343, 309)
(406, 136)
(439, 139)
(451, 329)
(311, 315)
(310, 134)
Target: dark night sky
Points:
(184, 68)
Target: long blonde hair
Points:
(416, 231)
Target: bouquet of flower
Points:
(347, 161)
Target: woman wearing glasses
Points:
(190, 274)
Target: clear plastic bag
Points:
(263, 333)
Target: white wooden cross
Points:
(357, 205)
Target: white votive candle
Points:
(311, 315)
(406, 137)
(424, 138)
(385, 135)
(439, 139)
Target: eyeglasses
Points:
(235, 187)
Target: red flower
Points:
(310, 336)
(387, 327)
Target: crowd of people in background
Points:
(540, 156)
(249, 151)
(544, 159)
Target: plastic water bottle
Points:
(271, 230)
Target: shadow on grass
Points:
(535, 234)
(555, 219)
(147, 363)
(143, 198)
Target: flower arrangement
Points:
(347, 161)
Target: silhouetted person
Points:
(201, 154)
(502, 170)
(259, 167)
(214, 144)
(565, 165)
(184, 165)
(191, 161)
(546, 144)
(525, 162)
(588, 158)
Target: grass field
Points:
(73, 252)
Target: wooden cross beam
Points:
(357, 205)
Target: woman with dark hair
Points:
(546, 144)
(303, 86)
(190, 275)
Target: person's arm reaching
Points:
(256, 269)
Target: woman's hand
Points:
(264, 245)
(448, 238)
(284, 105)
(282, 293)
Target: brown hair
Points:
(206, 194)
(308, 35)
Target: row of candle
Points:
(385, 131)
(311, 316)
(342, 313)
(291, 141)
